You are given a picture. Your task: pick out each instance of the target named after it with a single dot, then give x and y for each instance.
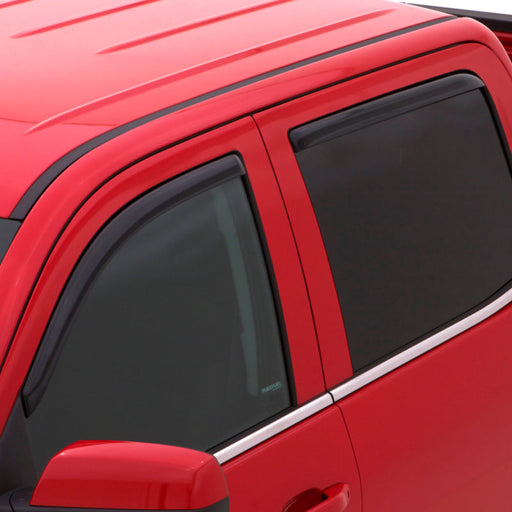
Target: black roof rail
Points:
(496, 22)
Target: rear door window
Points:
(413, 196)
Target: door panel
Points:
(81, 225)
(294, 447)
(434, 435)
(263, 479)
(429, 434)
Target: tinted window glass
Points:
(416, 216)
(176, 341)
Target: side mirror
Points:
(112, 475)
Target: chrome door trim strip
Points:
(274, 428)
(421, 348)
(356, 383)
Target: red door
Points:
(427, 406)
(296, 457)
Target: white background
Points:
(499, 6)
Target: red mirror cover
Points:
(129, 475)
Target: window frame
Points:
(384, 108)
(144, 208)
(109, 189)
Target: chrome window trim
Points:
(420, 348)
(274, 428)
(354, 384)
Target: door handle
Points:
(333, 499)
(336, 499)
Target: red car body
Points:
(102, 101)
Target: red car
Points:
(255, 256)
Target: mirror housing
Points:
(112, 475)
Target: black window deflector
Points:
(8, 229)
(342, 123)
(167, 195)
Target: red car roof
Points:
(73, 70)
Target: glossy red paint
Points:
(127, 475)
(34, 241)
(314, 443)
(275, 125)
(93, 65)
(333, 499)
(506, 40)
(38, 127)
(58, 205)
(65, 195)
(440, 444)
(336, 499)
(451, 448)
(316, 454)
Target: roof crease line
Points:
(194, 70)
(189, 26)
(13, 2)
(80, 19)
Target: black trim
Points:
(376, 110)
(494, 21)
(285, 344)
(125, 223)
(499, 126)
(17, 467)
(8, 230)
(39, 186)
(5, 503)
(20, 502)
